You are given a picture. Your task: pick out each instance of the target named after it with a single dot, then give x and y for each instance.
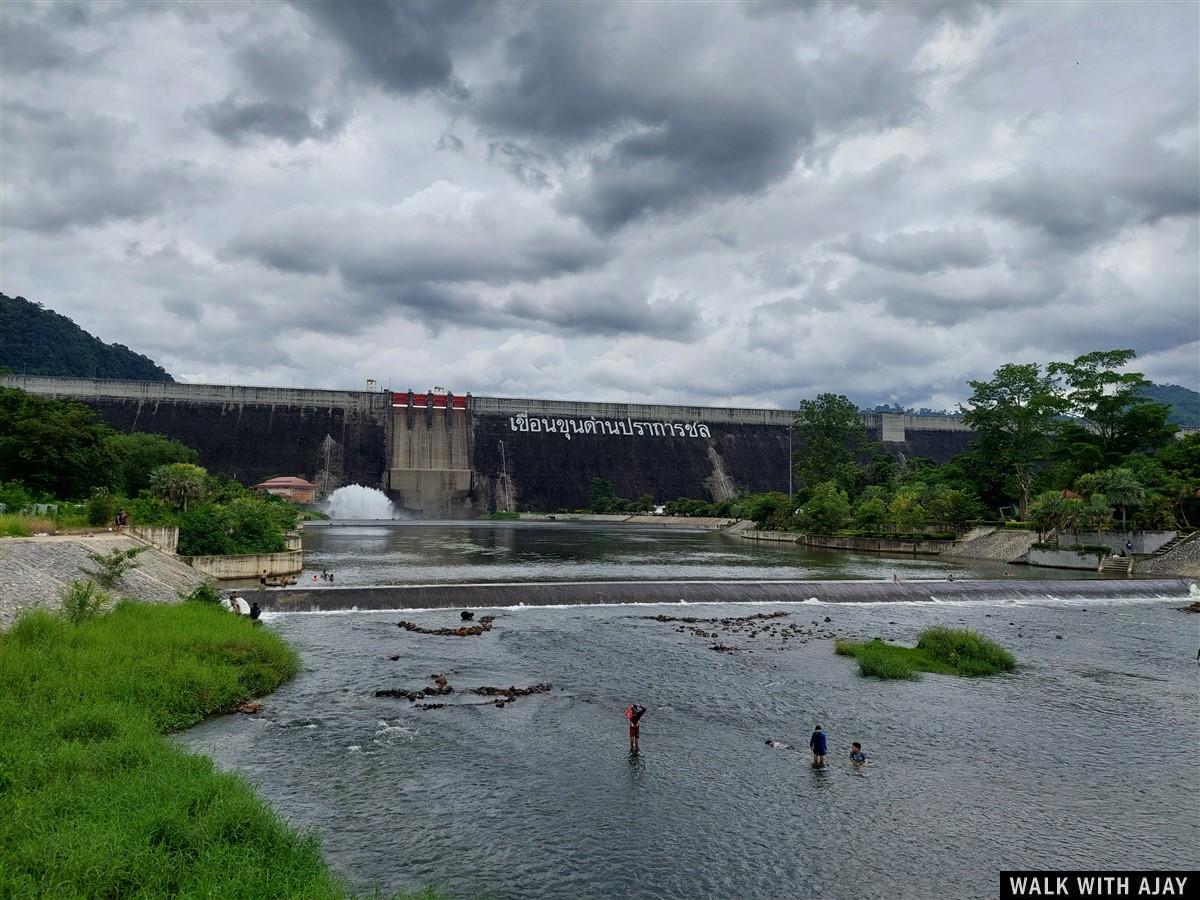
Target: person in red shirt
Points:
(634, 714)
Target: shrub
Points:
(82, 600)
(205, 593)
(114, 564)
(101, 507)
(941, 650)
(966, 649)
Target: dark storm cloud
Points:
(235, 120)
(667, 134)
(403, 45)
(922, 251)
(84, 170)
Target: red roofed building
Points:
(290, 488)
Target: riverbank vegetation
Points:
(62, 468)
(940, 650)
(1068, 446)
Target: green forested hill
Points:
(38, 341)
(1185, 404)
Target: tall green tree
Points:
(52, 446)
(1112, 417)
(136, 455)
(1013, 416)
(828, 438)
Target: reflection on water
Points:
(1082, 759)
(485, 552)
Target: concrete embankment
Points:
(441, 596)
(1000, 545)
(36, 571)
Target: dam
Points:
(444, 455)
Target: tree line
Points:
(59, 451)
(1073, 445)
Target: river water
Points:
(417, 552)
(1084, 758)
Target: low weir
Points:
(575, 593)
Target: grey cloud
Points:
(278, 71)
(235, 121)
(611, 314)
(922, 251)
(78, 171)
(525, 165)
(668, 133)
(403, 45)
(26, 45)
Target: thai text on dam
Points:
(627, 427)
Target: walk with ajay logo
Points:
(1099, 884)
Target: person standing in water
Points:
(634, 714)
(819, 744)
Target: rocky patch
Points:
(485, 624)
(501, 696)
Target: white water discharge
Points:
(357, 502)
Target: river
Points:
(1084, 758)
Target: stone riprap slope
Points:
(1001, 545)
(1183, 561)
(36, 571)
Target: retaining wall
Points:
(253, 565)
(1145, 542)
(164, 537)
(874, 545)
(1064, 559)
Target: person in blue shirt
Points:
(818, 743)
(857, 757)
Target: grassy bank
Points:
(941, 650)
(94, 802)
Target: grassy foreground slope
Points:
(94, 802)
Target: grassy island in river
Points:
(941, 650)
(94, 802)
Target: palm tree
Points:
(1122, 488)
(178, 482)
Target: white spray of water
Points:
(357, 502)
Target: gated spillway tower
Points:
(430, 471)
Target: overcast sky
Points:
(728, 204)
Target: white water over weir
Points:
(354, 501)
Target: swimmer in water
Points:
(858, 759)
(634, 714)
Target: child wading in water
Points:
(818, 744)
(634, 714)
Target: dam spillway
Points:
(445, 455)
(510, 594)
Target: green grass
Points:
(941, 650)
(502, 516)
(94, 802)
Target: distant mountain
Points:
(38, 341)
(1184, 403)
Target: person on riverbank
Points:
(858, 759)
(819, 745)
(634, 714)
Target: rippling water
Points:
(496, 551)
(1082, 759)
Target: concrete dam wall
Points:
(446, 456)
